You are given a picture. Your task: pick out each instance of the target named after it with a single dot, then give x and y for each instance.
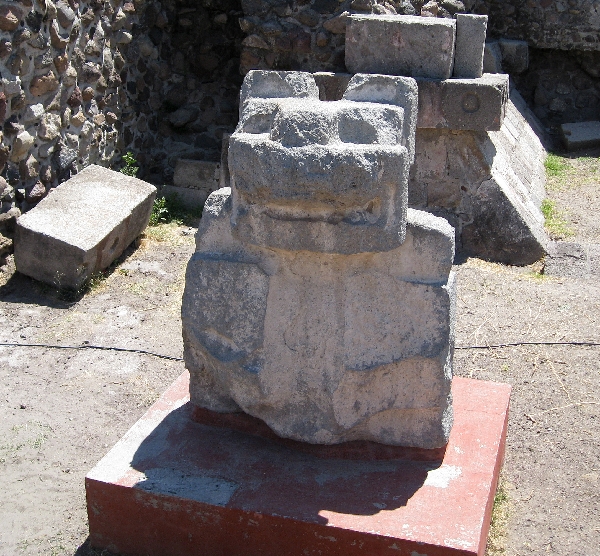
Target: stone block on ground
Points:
(463, 104)
(82, 226)
(581, 135)
(470, 43)
(400, 45)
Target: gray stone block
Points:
(197, 174)
(515, 55)
(470, 42)
(277, 84)
(463, 104)
(490, 184)
(492, 58)
(82, 226)
(581, 135)
(255, 320)
(400, 45)
(387, 89)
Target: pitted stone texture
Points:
(463, 104)
(278, 84)
(325, 166)
(490, 185)
(82, 227)
(387, 89)
(324, 348)
(470, 44)
(400, 45)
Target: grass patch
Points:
(556, 166)
(496, 545)
(555, 221)
(564, 172)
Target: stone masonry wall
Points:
(183, 82)
(553, 24)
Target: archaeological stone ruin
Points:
(82, 227)
(316, 300)
(84, 82)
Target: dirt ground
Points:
(62, 409)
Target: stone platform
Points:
(174, 486)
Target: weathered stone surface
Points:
(331, 85)
(470, 43)
(313, 301)
(490, 185)
(43, 84)
(82, 227)
(202, 176)
(259, 347)
(581, 135)
(9, 17)
(421, 47)
(515, 55)
(21, 146)
(49, 127)
(387, 89)
(465, 104)
(278, 84)
(492, 57)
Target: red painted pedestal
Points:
(173, 486)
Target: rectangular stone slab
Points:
(470, 40)
(581, 135)
(464, 104)
(400, 45)
(174, 486)
(82, 226)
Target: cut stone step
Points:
(581, 135)
(82, 226)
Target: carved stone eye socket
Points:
(470, 103)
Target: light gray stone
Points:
(277, 84)
(489, 184)
(470, 42)
(581, 135)
(387, 89)
(82, 226)
(255, 321)
(199, 175)
(316, 301)
(463, 104)
(492, 58)
(400, 45)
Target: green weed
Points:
(171, 209)
(130, 168)
(555, 221)
(500, 514)
(556, 166)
